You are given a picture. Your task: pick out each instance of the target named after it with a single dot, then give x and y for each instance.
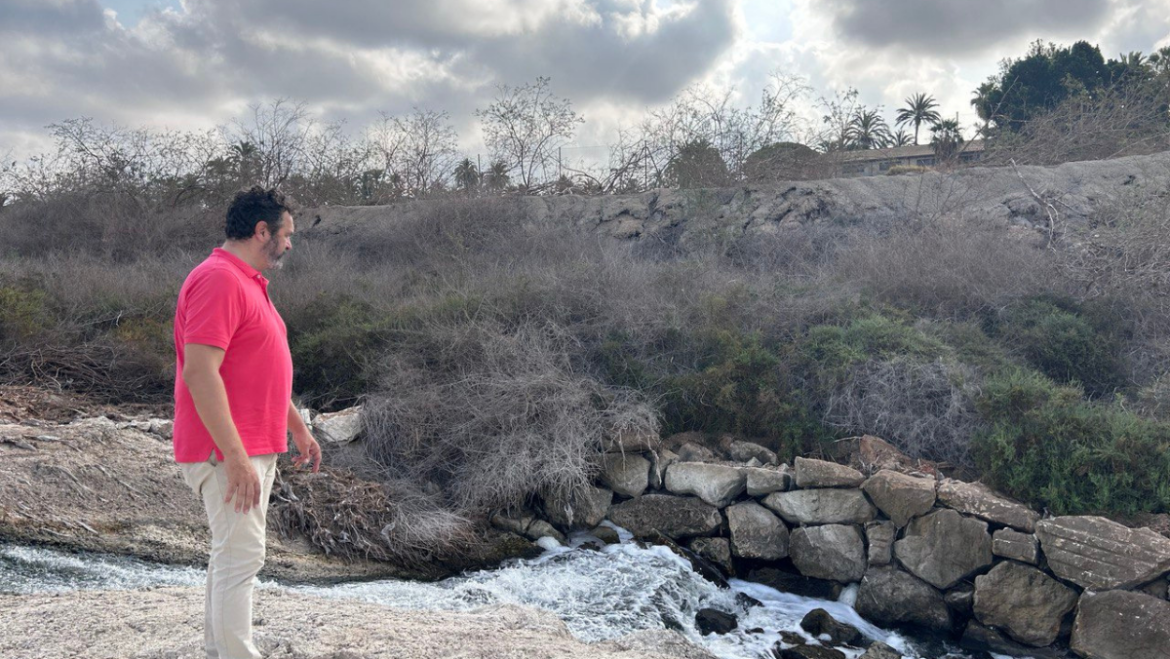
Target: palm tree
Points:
(497, 175)
(920, 109)
(466, 175)
(868, 130)
(901, 138)
(982, 102)
(946, 137)
(1160, 61)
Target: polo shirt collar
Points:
(249, 271)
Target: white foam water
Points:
(600, 594)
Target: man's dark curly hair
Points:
(255, 205)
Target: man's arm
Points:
(201, 374)
(307, 447)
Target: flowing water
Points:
(600, 594)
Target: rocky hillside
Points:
(1039, 197)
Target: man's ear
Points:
(261, 230)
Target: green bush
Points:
(1065, 343)
(334, 341)
(1048, 446)
(23, 313)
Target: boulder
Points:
(632, 440)
(818, 622)
(899, 496)
(977, 500)
(1017, 546)
(674, 517)
(978, 638)
(513, 521)
(583, 508)
(824, 506)
(714, 621)
(741, 451)
(797, 584)
(880, 539)
(762, 481)
(822, 473)
(715, 484)
(808, 652)
(1099, 554)
(606, 535)
(1121, 625)
(541, 529)
(834, 552)
(961, 600)
(627, 474)
(691, 452)
(339, 427)
(756, 532)
(879, 650)
(888, 596)
(716, 551)
(1024, 602)
(944, 547)
(1159, 588)
(659, 461)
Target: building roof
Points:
(901, 152)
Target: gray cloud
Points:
(953, 27)
(63, 58)
(57, 17)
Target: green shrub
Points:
(1065, 343)
(333, 342)
(1050, 447)
(23, 313)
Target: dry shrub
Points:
(1126, 119)
(949, 269)
(496, 416)
(352, 518)
(926, 409)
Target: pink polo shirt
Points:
(224, 303)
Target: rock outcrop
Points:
(1023, 601)
(1096, 553)
(1121, 625)
(944, 547)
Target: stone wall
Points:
(682, 217)
(929, 552)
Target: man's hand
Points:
(309, 450)
(243, 483)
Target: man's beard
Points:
(273, 253)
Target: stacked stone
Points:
(944, 555)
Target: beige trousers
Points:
(237, 554)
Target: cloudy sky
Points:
(199, 63)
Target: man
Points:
(233, 406)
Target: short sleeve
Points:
(212, 309)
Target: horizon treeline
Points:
(1053, 105)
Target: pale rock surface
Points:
(1096, 553)
(756, 532)
(812, 473)
(674, 517)
(889, 597)
(978, 500)
(1117, 624)
(899, 496)
(880, 541)
(659, 461)
(1023, 601)
(716, 484)
(835, 552)
(944, 547)
(823, 506)
(762, 481)
(626, 474)
(632, 440)
(1023, 547)
(741, 451)
(339, 427)
(583, 508)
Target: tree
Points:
(497, 176)
(782, 160)
(868, 130)
(698, 165)
(419, 148)
(466, 176)
(946, 138)
(920, 109)
(524, 127)
(275, 135)
(902, 138)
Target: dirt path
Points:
(167, 623)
